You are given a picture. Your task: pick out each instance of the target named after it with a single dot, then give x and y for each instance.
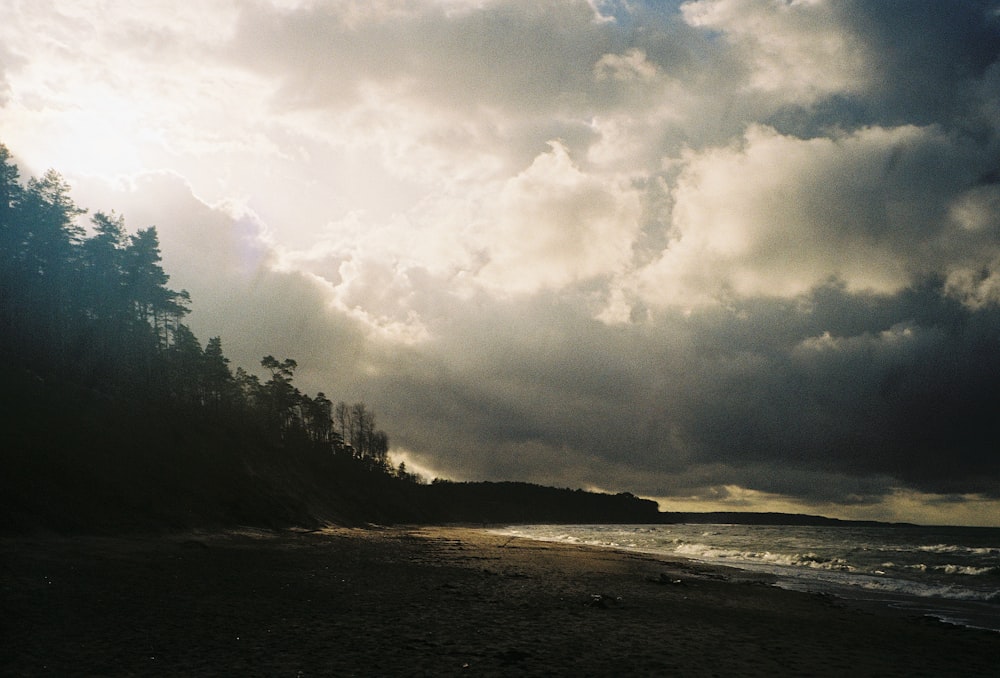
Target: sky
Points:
(725, 254)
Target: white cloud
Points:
(795, 51)
(776, 215)
(554, 225)
(625, 67)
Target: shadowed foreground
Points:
(430, 601)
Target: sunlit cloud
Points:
(795, 51)
(776, 215)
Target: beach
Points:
(434, 601)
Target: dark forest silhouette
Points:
(97, 311)
(116, 416)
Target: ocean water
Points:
(951, 573)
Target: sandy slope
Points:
(430, 601)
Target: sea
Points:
(949, 573)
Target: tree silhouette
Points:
(153, 303)
(318, 417)
(220, 387)
(10, 250)
(103, 258)
(186, 367)
(341, 420)
(282, 398)
(45, 261)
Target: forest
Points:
(115, 416)
(97, 310)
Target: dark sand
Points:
(431, 601)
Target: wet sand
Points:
(432, 602)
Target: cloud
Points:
(776, 215)
(930, 60)
(503, 55)
(222, 255)
(835, 397)
(555, 225)
(794, 51)
(744, 253)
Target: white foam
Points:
(965, 569)
(810, 560)
(953, 548)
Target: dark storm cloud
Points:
(933, 57)
(830, 396)
(903, 389)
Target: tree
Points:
(50, 234)
(45, 265)
(103, 258)
(153, 303)
(186, 361)
(342, 420)
(10, 197)
(283, 399)
(361, 425)
(318, 416)
(369, 445)
(219, 383)
(250, 389)
(378, 449)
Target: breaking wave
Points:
(955, 548)
(706, 552)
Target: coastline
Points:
(432, 601)
(946, 573)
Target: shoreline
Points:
(433, 601)
(957, 603)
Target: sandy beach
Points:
(431, 601)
